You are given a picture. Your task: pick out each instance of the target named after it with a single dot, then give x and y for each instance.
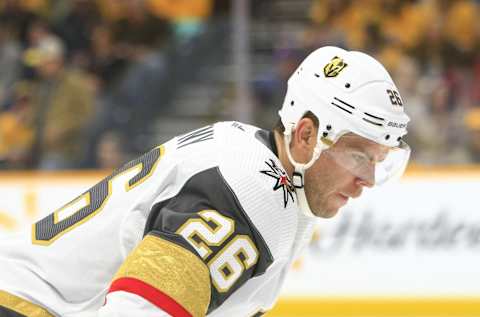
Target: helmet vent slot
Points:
(371, 119)
(346, 104)
(374, 117)
(343, 104)
(341, 108)
(374, 123)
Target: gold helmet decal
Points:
(334, 68)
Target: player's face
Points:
(341, 172)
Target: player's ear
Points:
(306, 132)
(304, 139)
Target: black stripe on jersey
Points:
(268, 139)
(5, 312)
(208, 190)
(47, 229)
(199, 135)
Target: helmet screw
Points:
(399, 138)
(325, 134)
(387, 137)
(292, 103)
(329, 127)
(347, 85)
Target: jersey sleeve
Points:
(127, 304)
(199, 247)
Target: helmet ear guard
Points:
(348, 92)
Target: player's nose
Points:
(367, 178)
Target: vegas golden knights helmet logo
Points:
(334, 68)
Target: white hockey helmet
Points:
(347, 91)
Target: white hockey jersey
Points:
(204, 225)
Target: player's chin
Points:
(331, 208)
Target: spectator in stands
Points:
(62, 104)
(107, 62)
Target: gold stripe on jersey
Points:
(22, 306)
(173, 270)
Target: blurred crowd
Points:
(79, 78)
(75, 76)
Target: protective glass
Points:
(375, 164)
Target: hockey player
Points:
(209, 223)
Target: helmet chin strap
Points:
(299, 172)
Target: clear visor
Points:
(371, 162)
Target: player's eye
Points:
(359, 159)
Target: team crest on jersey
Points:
(334, 68)
(282, 181)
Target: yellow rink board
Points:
(371, 307)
